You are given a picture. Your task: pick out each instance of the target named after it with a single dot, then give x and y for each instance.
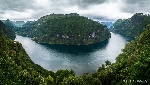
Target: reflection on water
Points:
(77, 49)
(79, 58)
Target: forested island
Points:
(131, 66)
(68, 29)
(131, 27)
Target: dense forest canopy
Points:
(133, 26)
(131, 67)
(69, 29)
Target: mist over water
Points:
(81, 59)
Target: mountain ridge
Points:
(131, 27)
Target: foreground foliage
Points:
(132, 67)
(16, 68)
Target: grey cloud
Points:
(86, 3)
(16, 5)
(89, 2)
(21, 6)
(27, 9)
(136, 1)
(133, 6)
(1, 11)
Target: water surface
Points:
(79, 58)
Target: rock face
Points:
(131, 27)
(4, 30)
(69, 29)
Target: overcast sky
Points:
(104, 10)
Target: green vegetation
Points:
(69, 29)
(16, 68)
(132, 66)
(6, 31)
(131, 27)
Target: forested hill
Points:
(133, 26)
(69, 29)
(7, 32)
(132, 67)
(16, 67)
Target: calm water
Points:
(79, 58)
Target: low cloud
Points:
(83, 4)
(134, 6)
(104, 10)
(16, 5)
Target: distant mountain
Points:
(15, 24)
(133, 26)
(7, 32)
(108, 24)
(18, 23)
(69, 29)
(27, 23)
(3, 21)
(9, 24)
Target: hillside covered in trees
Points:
(131, 67)
(16, 68)
(131, 27)
(7, 32)
(69, 29)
